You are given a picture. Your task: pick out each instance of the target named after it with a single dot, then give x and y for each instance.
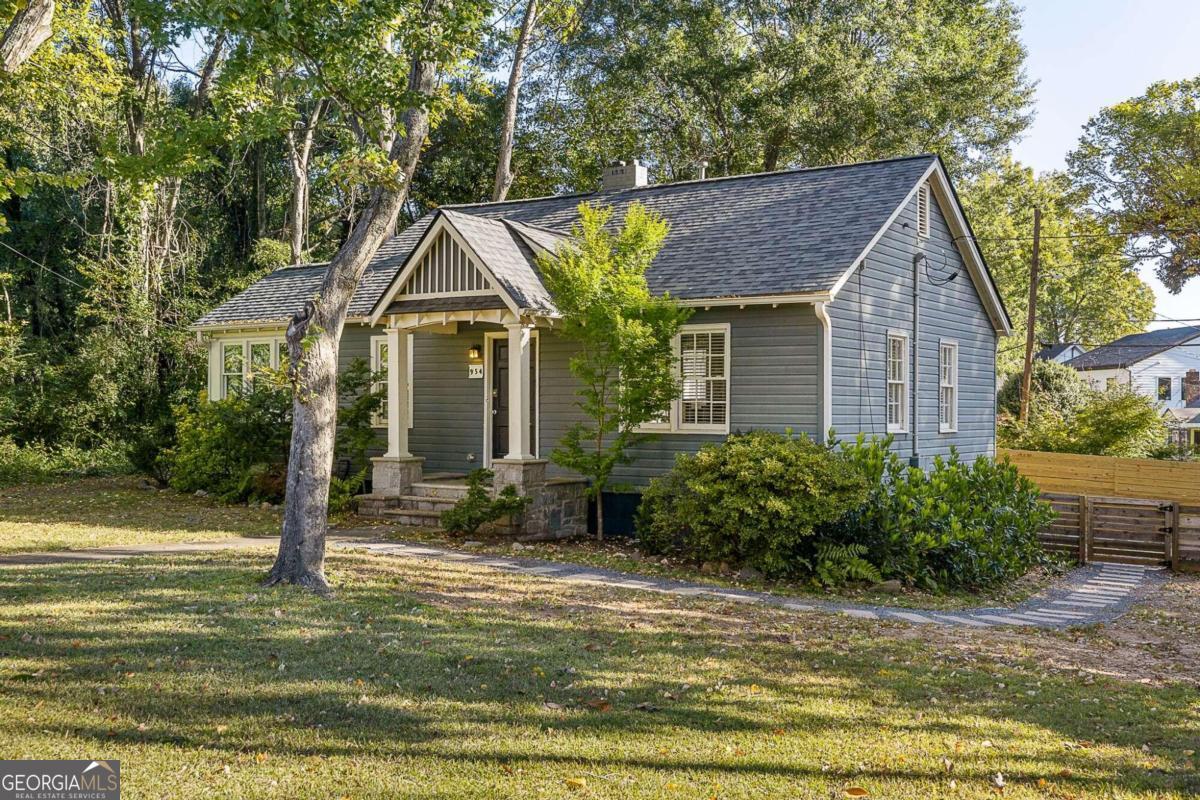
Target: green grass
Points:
(622, 556)
(95, 512)
(430, 680)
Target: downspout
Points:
(826, 324)
(915, 459)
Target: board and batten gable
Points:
(878, 299)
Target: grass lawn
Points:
(95, 512)
(430, 680)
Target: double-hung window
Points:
(897, 383)
(379, 365)
(702, 359)
(233, 362)
(947, 387)
(1164, 388)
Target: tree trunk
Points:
(300, 145)
(504, 174)
(27, 31)
(301, 558)
(260, 191)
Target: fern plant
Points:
(838, 564)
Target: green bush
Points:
(957, 525)
(479, 507)
(754, 499)
(1054, 388)
(1117, 422)
(32, 463)
(224, 446)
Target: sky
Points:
(1087, 54)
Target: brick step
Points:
(423, 502)
(414, 517)
(433, 489)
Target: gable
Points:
(445, 270)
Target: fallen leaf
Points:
(856, 791)
(599, 704)
(576, 783)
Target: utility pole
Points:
(1031, 321)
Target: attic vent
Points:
(624, 175)
(923, 211)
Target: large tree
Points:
(1089, 289)
(755, 85)
(382, 63)
(1139, 162)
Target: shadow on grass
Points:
(437, 661)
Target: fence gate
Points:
(1117, 529)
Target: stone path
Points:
(1088, 595)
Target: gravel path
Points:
(1088, 595)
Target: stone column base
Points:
(558, 508)
(391, 477)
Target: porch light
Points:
(475, 353)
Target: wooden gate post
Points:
(1085, 528)
(1173, 522)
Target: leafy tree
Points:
(1055, 389)
(755, 85)
(1117, 422)
(624, 362)
(1139, 163)
(1089, 290)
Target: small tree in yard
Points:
(624, 335)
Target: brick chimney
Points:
(624, 175)
(1191, 388)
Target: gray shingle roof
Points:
(791, 232)
(1052, 351)
(274, 298)
(506, 254)
(1133, 348)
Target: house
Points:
(1163, 365)
(850, 298)
(1062, 352)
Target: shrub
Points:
(1054, 388)
(754, 499)
(478, 507)
(225, 446)
(32, 463)
(958, 525)
(1116, 422)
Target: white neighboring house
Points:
(1061, 352)
(1163, 365)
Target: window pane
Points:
(232, 357)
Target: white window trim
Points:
(379, 420)
(924, 199)
(216, 389)
(906, 388)
(674, 423)
(952, 426)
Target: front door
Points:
(499, 390)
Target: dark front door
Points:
(499, 389)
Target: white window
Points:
(923, 211)
(702, 355)
(379, 363)
(948, 387)
(897, 383)
(233, 364)
(240, 360)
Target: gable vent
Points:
(923, 211)
(446, 269)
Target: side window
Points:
(232, 366)
(379, 364)
(947, 387)
(1164, 388)
(260, 359)
(897, 383)
(704, 374)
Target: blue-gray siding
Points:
(878, 298)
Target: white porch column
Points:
(397, 390)
(518, 392)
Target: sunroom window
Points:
(232, 368)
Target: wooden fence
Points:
(1103, 476)
(1124, 530)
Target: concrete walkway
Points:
(1088, 595)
